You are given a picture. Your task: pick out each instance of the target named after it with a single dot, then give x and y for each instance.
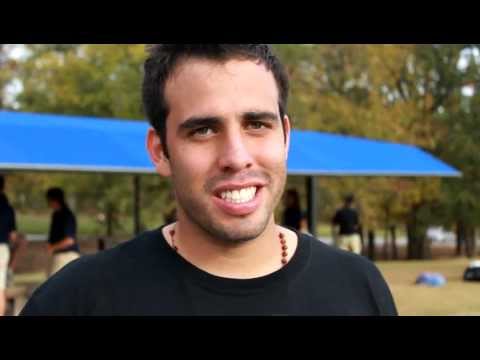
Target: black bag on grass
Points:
(472, 274)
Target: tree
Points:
(7, 73)
(391, 92)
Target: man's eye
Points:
(256, 125)
(203, 131)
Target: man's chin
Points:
(237, 232)
(227, 228)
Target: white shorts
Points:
(351, 243)
(4, 259)
(61, 259)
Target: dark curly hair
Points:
(163, 58)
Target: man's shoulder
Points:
(67, 212)
(7, 209)
(350, 278)
(10, 211)
(133, 250)
(93, 268)
(79, 281)
(325, 255)
(338, 214)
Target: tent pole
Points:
(136, 204)
(311, 205)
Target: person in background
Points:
(293, 216)
(346, 227)
(17, 247)
(8, 235)
(62, 243)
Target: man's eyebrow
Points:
(260, 115)
(195, 122)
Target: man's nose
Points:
(235, 154)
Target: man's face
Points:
(227, 150)
(51, 204)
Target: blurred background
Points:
(425, 95)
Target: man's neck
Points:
(249, 259)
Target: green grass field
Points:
(31, 223)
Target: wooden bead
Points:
(284, 261)
(284, 254)
(172, 232)
(284, 247)
(283, 242)
(281, 235)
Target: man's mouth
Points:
(239, 196)
(238, 200)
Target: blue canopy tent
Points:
(72, 143)
(316, 153)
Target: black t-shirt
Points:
(7, 220)
(145, 276)
(347, 218)
(63, 224)
(292, 218)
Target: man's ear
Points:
(286, 129)
(157, 155)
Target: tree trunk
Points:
(460, 237)
(110, 219)
(386, 238)
(362, 239)
(470, 242)
(393, 234)
(371, 245)
(419, 246)
(474, 241)
(410, 241)
(385, 254)
(415, 246)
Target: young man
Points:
(8, 234)
(62, 244)
(293, 215)
(221, 133)
(346, 227)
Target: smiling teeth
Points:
(239, 196)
